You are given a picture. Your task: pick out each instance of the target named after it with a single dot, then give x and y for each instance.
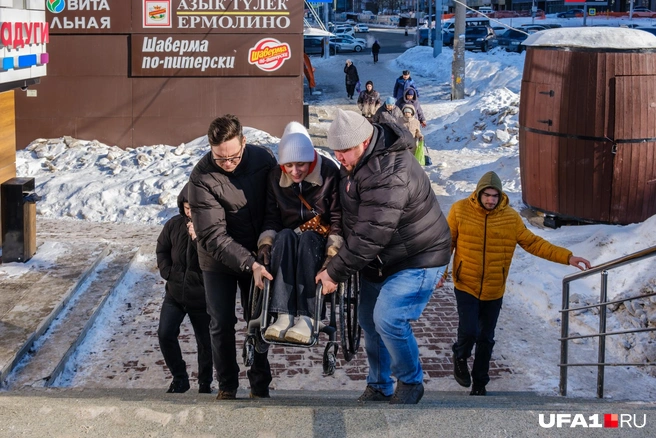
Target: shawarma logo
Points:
(56, 6)
(269, 54)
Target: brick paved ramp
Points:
(120, 349)
(290, 414)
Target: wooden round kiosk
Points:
(587, 140)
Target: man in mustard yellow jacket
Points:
(485, 231)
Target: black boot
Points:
(178, 386)
(478, 390)
(461, 371)
(204, 388)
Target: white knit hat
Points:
(295, 147)
(348, 130)
(295, 127)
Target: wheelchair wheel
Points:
(349, 328)
(248, 352)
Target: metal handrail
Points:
(602, 333)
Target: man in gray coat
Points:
(397, 237)
(227, 195)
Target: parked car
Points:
(571, 13)
(352, 39)
(347, 45)
(480, 38)
(498, 30)
(643, 12)
(343, 30)
(512, 40)
(363, 28)
(314, 46)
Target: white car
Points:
(344, 44)
(342, 31)
(362, 28)
(354, 40)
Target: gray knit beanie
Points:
(295, 148)
(348, 130)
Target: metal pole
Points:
(601, 358)
(564, 333)
(417, 22)
(437, 47)
(430, 23)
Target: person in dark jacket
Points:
(352, 78)
(388, 113)
(177, 261)
(402, 83)
(296, 256)
(227, 195)
(396, 235)
(369, 100)
(410, 98)
(375, 49)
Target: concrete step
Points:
(31, 301)
(325, 414)
(50, 353)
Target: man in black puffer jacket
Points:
(177, 260)
(396, 235)
(227, 194)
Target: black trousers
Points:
(350, 89)
(295, 261)
(375, 57)
(221, 296)
(476, 323)
(170, 319)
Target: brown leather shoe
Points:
(227, 395)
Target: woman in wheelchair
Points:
(302, 231)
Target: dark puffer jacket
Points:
(177, 260)
(391, 218)
(227, 209)
(320, 189)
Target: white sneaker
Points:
(302, 331)
(277, 330)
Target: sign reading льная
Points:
(193, 37)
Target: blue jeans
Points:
(476, 323)
(386, 310)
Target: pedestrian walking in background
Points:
(412, 124)
(227, 195)
(402, 83)
(352, 78)
(177, 261)
(485, 231)
(387, 206)
(411, 98)
(375, 49)
(388, 113)
(369, 100)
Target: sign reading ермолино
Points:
(175, 16)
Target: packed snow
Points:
(89, 181)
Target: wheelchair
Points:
(345, 314)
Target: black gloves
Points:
(264, 255)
